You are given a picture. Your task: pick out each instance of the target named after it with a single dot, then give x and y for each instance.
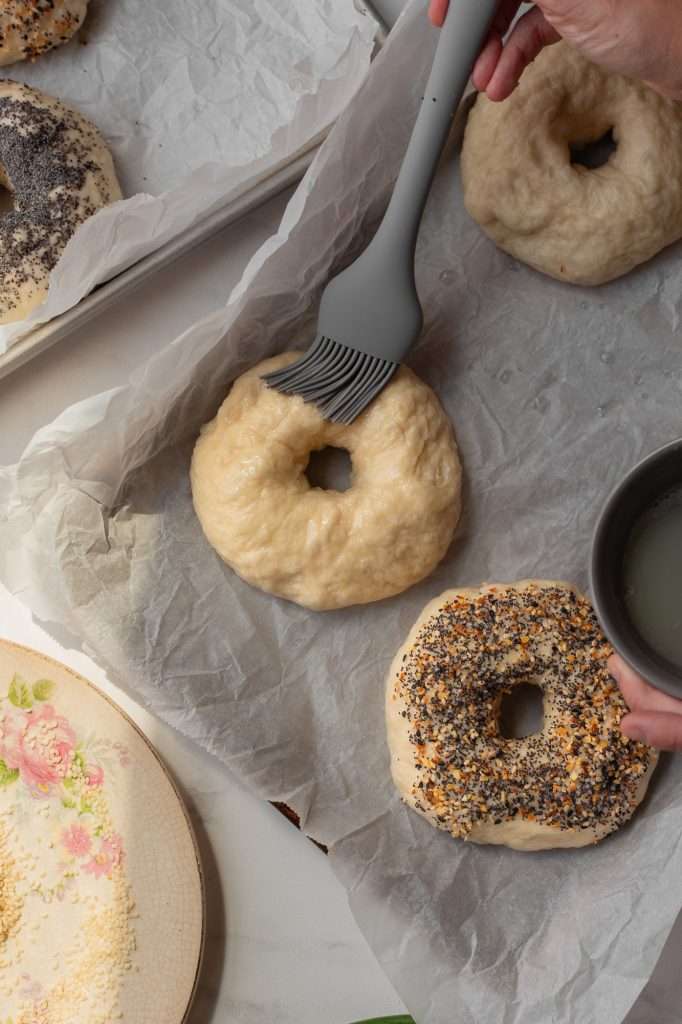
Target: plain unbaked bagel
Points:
(31, 27)
(570, 784)
(577, 225)
(320, 548)
(59, 172)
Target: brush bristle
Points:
(339, 380)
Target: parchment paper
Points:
(555, 392)
(196, 98)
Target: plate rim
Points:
(12, 645)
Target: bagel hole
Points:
(594, 154)
(330, 469)
(522, 712)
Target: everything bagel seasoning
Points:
(578, 773)
(29, 28)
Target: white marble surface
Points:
(282, 945)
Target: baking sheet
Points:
(555, 392)
(117, 290)
(196, 98)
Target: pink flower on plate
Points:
(123, 754)
(30, 989)
(39, 744)
(77, 841)
(10, 722)
(99, 865)
(113, 847)
(94, 775)
(108, 857)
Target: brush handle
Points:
(372, 306)
(466, 25)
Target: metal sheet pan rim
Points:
(253, 194)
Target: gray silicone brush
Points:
(370, 314)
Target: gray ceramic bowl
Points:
(659, 473)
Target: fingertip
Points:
(615, 666)
(528, 37)
(634, 689)
(499, 89)
(661, 730)
(508, 70)
(437, 11)
(487, 62)
(632, 727)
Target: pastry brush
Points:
(370, 314)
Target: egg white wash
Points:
(652, 571)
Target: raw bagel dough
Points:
(31, 27)
(320, 548)
(577, 225)
(567, 786)
(60, 172)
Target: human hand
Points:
(654, 718)
(640, 40)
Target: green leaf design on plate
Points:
(7, 775)
(43, 689)
(20, 693)
(68, 803)
(85, 807)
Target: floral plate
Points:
(101, 894)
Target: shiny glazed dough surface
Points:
(326, 549)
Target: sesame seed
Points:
(29, 28)
(580, 772)
(46, 162)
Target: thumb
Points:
(659, 729)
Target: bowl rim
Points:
(668, 682)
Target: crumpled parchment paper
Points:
(197, 99)
(555, 392)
